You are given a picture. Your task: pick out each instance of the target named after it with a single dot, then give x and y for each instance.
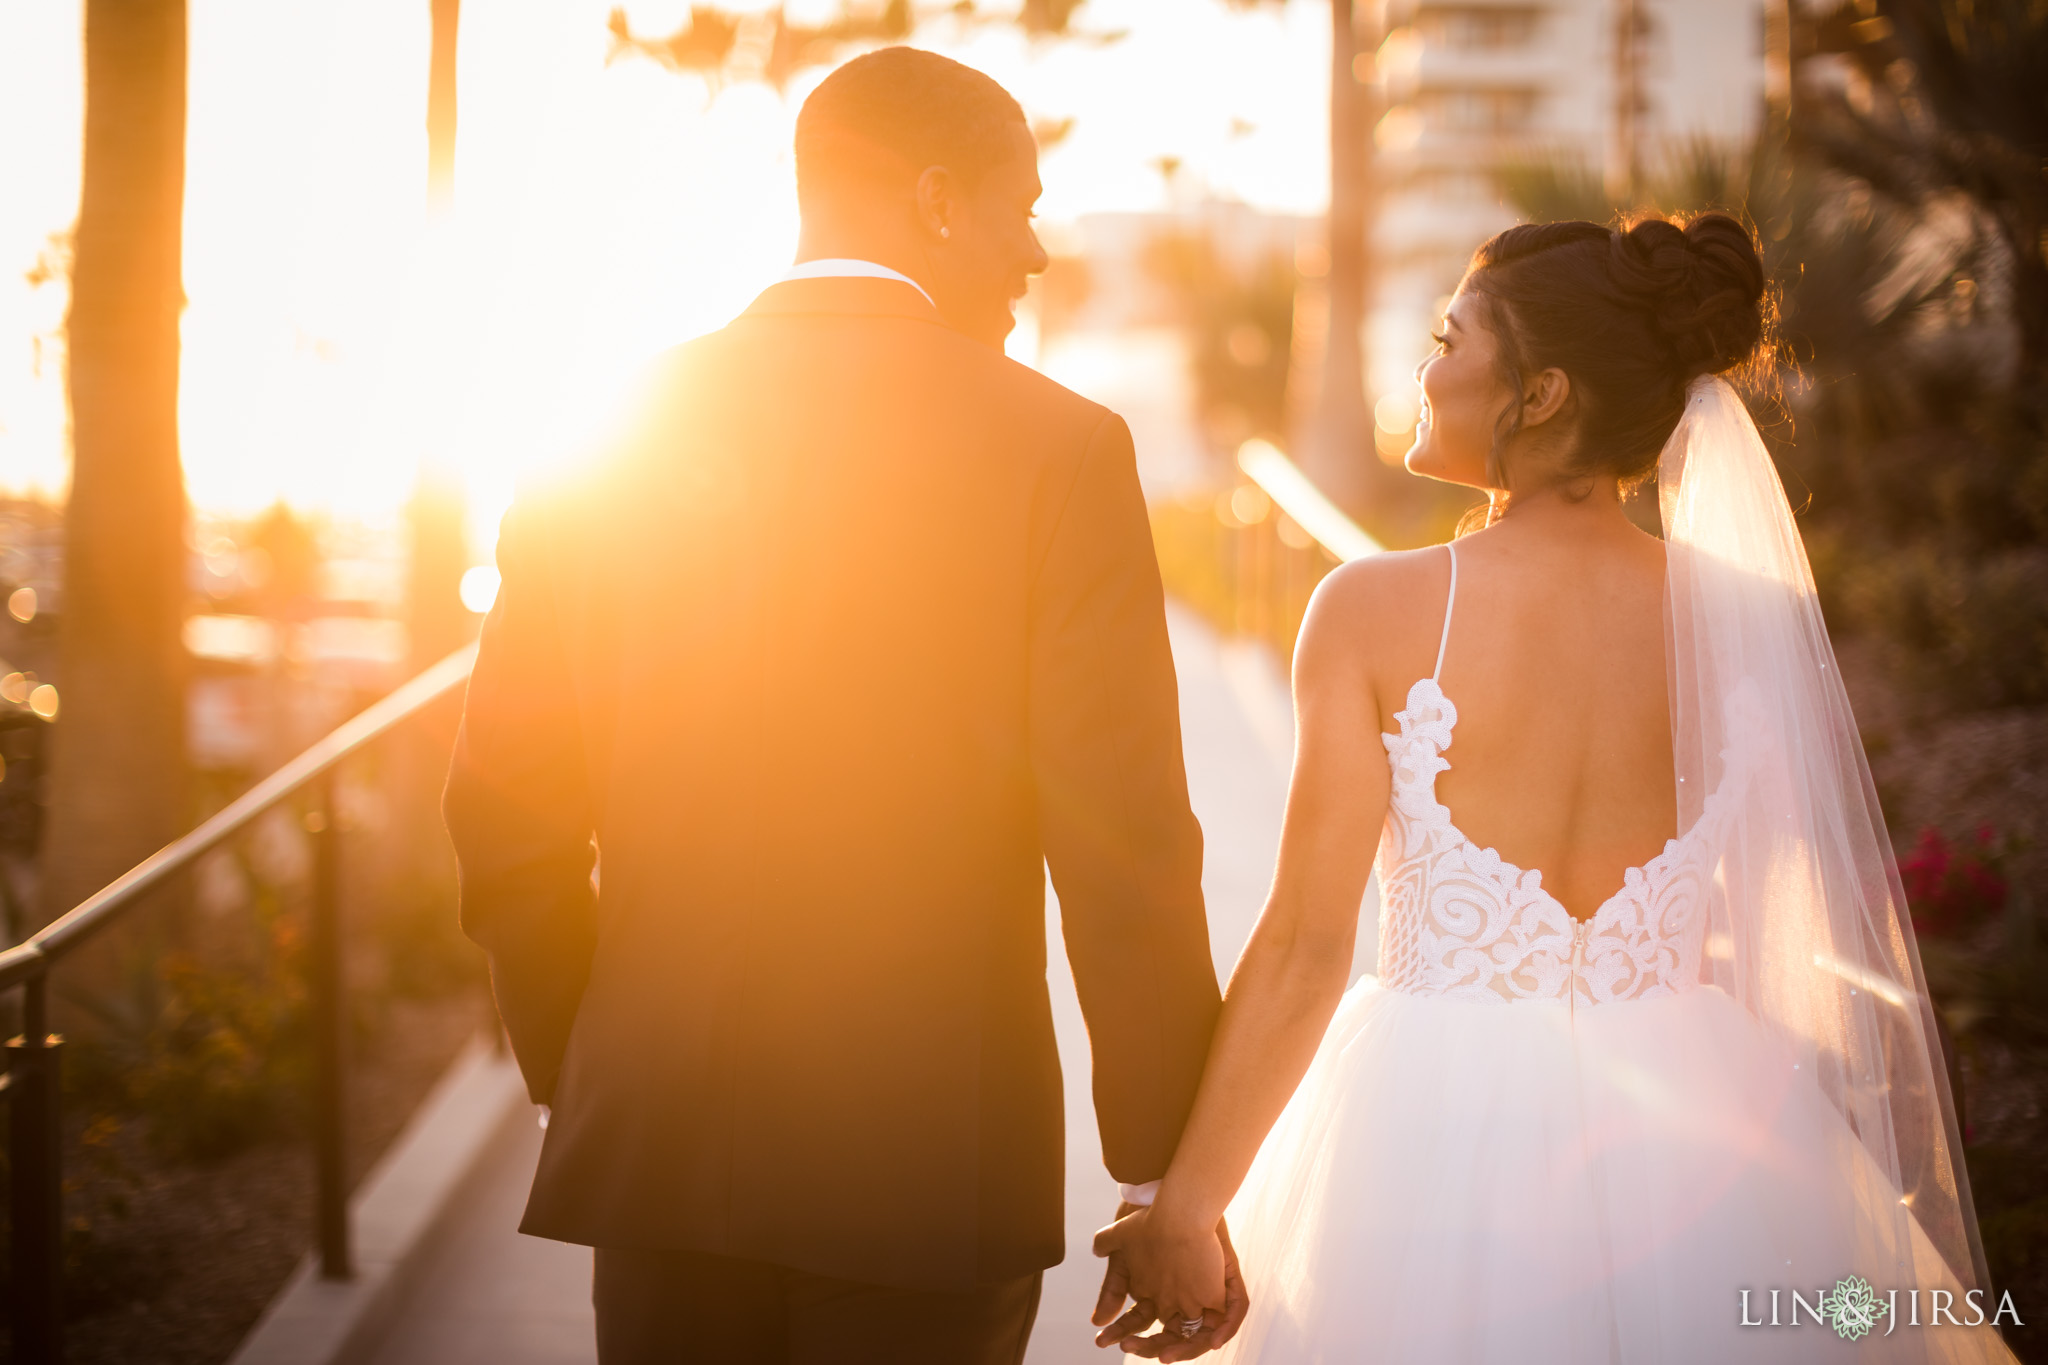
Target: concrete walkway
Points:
(487, 1294)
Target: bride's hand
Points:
(1172, 1346)
(1176, 1271)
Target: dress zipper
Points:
(1579, 927)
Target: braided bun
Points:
(1703, 283)
(1630, 315)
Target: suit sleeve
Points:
(1123, 846)
(519, 811)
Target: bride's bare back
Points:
(1560, 373)
(1561, 759)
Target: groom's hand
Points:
(1116, 1280)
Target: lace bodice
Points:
(1459, 920)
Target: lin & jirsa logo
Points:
(1853, 1308)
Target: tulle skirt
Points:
(1467, 1182)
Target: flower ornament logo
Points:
(1852, 1308)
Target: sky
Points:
(335, 339)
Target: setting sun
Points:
(338, 337)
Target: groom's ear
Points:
(1544, 396)
(938, 200)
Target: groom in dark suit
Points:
(851, 631)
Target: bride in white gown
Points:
(1649, 1073)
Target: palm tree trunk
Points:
(1340, 432)
(436, 621)
(418, 864)
(446, 15)
(119, 780)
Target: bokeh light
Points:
(1249, 504)
(480, 588)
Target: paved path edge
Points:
(394, 1217)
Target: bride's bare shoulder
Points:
(1373, 612)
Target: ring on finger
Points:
(1188, 1329)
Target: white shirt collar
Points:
(840, 267)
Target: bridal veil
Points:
(1808, 924)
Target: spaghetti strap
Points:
(1450, 600)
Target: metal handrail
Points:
(31, 1087)
(1284, 482)
(33, 955)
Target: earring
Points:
(945, 232)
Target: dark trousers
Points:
(673, 1307)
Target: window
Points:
(1477, 30)
(1474, 110)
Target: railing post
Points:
(328, 1001)
(36, 1182)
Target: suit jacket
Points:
(850, 633)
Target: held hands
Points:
(1176, 1275)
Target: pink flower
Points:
(1952, 888)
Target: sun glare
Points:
(338, 338)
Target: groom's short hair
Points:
(917, 108)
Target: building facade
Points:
(1607, 91)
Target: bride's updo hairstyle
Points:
(1631, 315)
